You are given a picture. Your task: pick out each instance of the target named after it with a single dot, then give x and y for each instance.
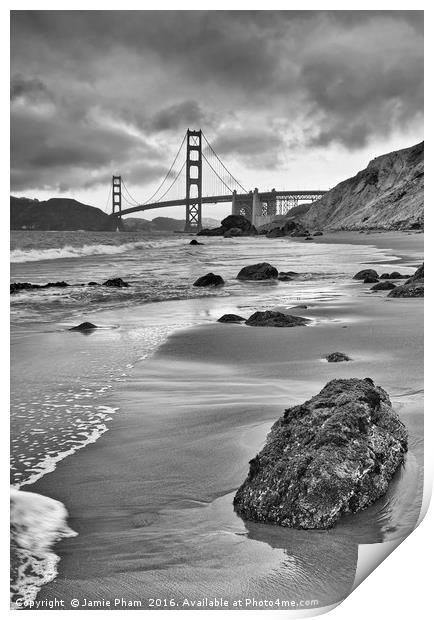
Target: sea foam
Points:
(37, 522)
(69, 251)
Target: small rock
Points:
(270, 318)
(334, 454)
(116, 282)
(318, 233)
(338, 357)
(385, 276)
(308, 238)
(259, 271)
(383, 286)
(210, 279)
(92, 284)
(231, 318)
(366, 273)
(195, 242)
(83, 327)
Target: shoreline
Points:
(255, 380)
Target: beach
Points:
(150, 496)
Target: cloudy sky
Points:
(294, 99)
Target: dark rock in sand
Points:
(366, 273)
(93, 284)
(231, 318)
(210, 279)
(259, 271)
(332, 455)
(370, 280)
(318, 233)
(338, 357)
(116, 282)
(83, 327)
(308, 238)
(385, 276)
(383, 286)
(195, 242)
(270, 318)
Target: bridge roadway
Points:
(263, 196)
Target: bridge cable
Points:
(216, 173)
(231, 175)
(173, 183)
(168, 173)
(129, 194)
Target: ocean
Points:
(67, 388)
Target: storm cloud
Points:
(93, 93)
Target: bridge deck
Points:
(264, 196)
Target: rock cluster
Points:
(334, 454)
(289, 228)
(231, 226)
(413, 287)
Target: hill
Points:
(58, 214)
(387, 194)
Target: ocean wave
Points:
(37, 522)
(19, 255)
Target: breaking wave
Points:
(70, 251)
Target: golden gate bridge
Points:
(198, 176)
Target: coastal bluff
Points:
(334, 454)
(387, 194)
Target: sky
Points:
(291, 100)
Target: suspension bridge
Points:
(198, 176)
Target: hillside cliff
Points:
(387, 194)
(58, 214)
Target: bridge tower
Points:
(193, 209)
(116, 194)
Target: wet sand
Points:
(151, 499)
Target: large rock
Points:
(210, 279)
(270, 318)
(334, 454)
(195, 242)
(366, 273)
(259, 271)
